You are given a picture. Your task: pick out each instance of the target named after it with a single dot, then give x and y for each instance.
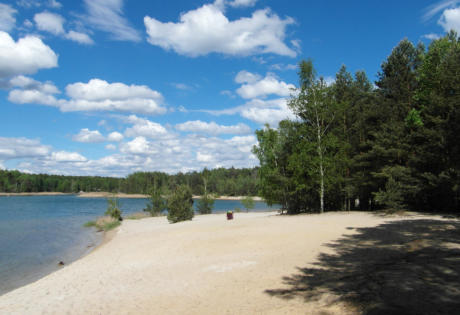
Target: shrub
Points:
(113, 208)
(248, 203)
(180, 205)
(205, 204)
(156, 203)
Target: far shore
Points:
(103, 194)
(45, 193)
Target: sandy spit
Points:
(205, 266)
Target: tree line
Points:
(220, 181)
(355, 145)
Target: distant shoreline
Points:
(107, 195)
(45, 193)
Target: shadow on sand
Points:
(400, 267)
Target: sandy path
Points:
(206, 266)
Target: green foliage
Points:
(156, 204)
(205, 204)
(393, 146)
(103, 223)
(90, 224)
(180, 205)
(113, 208)
(248, 203)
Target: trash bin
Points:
(230, 215)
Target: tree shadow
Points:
(400, 267)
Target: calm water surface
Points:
(36, 232)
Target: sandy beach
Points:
(256, 264)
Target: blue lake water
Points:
(36, 232)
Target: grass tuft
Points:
(105, 223)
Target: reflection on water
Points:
(36, 232)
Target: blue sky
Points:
(110, 87)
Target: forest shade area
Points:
(221, 181)
(356, 145)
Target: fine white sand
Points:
(205, 266)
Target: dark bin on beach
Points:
(229, 215)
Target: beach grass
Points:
(104, 223)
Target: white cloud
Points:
(115, 136)
(88, 136)
(260, 111)
(207, 30)
(431, 36)
(264, 87)
(271, 116)
(54, 4)
(434, 9)
(450, 20)
(65, 156)
(97, 95)
(12, 148)
(27, 83)
(111, 147)
(7, 19)
(242, 3)
(78, 37)
(145, 128)
(107, 16)
(283, 67)
(212, 128)
(50, 22)
(247, 77)
(99, 90)
(26, 56)
(138, 145)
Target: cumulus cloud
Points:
(269, 85)
(13, 148)
(26, 56)
(96, 95)
(7, 17)
(107, 16)
(78, 37)
(145, 128)
(212, 128)
(111, 147)
(27, 83)
(115, 136)
(260, 111)
(88, 136)
(54, 24)
(207, 30)
(450, 20)
(50, 22)
(65, 156)
(247, 77)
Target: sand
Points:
(205, 266)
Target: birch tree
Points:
(314, 105)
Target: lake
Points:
(36, 232)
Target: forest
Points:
(356, 145)
(220, 181)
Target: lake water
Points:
(36, 232)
